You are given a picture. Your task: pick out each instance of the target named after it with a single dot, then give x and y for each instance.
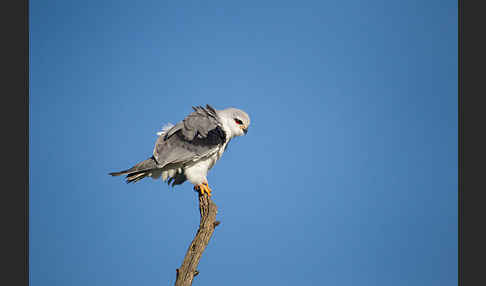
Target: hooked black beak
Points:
(245, 130)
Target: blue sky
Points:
(348, 174)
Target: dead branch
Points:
(187, 271)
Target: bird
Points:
(187, 150)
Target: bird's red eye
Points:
(238, 121)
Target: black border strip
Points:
(14, 115)
(472, 144)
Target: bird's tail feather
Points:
(139, 171)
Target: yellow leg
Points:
(203, 189)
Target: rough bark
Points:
(187, 271)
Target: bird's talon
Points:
(203, 189)
(208, 189)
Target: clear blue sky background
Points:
(348, 175)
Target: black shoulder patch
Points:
(215, 136)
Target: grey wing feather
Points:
(199, 135)
(200, 122)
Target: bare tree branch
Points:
(187, 271)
